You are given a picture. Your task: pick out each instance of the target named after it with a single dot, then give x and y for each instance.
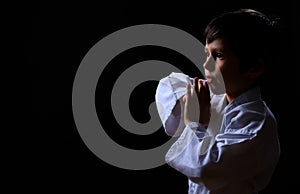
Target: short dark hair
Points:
(250, 35)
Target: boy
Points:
(228, 143)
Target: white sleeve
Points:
(169, 90)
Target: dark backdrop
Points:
(59, 34)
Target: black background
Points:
(57, 35)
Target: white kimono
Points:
(236, 154)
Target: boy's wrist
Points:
(196, 125)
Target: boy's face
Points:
(222, 68)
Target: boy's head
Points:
(249, 34)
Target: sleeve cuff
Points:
(195, 126)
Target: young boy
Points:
(228, 141)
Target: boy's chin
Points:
(217, 89)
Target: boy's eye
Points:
(218, 55)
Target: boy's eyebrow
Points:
(214, 49)
(218, 49)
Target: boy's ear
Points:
(257, 70)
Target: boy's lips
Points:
(208, 79)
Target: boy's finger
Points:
(188, 91)
(200, 84)
(195, 84)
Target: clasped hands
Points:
(197, 102)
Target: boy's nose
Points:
(209, 64)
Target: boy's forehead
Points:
(217, 44)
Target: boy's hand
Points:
(197, 103)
